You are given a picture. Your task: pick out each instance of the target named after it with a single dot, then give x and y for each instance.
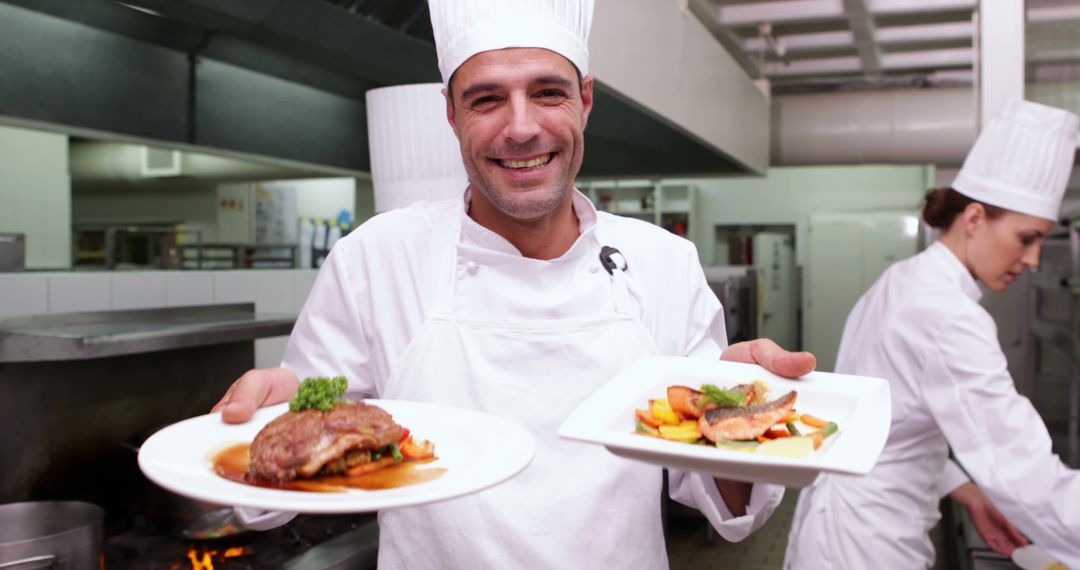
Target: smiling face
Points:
(519, 115)
(999, 250)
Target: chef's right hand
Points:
(258, 387)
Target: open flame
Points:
(204, 559)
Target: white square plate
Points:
(859, 405)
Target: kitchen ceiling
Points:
(819, 45)
(277, 79)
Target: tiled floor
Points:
(691, 546)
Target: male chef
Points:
(519, 299)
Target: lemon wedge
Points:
(794, 447)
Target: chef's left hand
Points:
(996, 530)
(770, 356)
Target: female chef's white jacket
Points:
(921, 327)
(423, 303)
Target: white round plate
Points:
(477, 450)
(1031, 557)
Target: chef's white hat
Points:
(1022, 159)
(464, 28)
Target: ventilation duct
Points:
(117, 164)
(918, 126)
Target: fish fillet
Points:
(732, 424)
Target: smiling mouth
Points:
(535, 162)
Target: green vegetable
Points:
(319, 394)
(725, 398)
(641, 427)
(792, 429)
(743, 445)
(396, 453)
(829, 429)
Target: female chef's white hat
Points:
(464, 28)
(1022, 160)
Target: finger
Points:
(1012, 533)
(1001, 546)
(1017, 537)
(246, 395)
(773, 358)
(224, 399)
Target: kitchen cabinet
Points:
(668, 206)
(847, 252)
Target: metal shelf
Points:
(1063, 336)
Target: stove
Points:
(306, 542)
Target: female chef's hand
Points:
(771, 357)
(256, 388)
(998, 533)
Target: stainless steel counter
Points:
(81, 336)
(80, 390)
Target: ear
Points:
(973, 217)
(450, 116)
(586, 98)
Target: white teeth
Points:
(538, 161)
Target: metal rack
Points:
(236, 256)
(1062, 335)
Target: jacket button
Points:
(594, 269)
(472, 267)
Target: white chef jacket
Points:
(920, 326)
(377, 288)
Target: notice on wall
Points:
(275, 214)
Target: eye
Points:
(483, 102)
(1028, 239)
(551, 94)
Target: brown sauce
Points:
(232, 463)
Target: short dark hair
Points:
(943, 205)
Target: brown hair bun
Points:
(943, 205)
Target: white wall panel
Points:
(234, 287)
(23, 295)
(138, 290)
(658, 55)
(75, 293)
(187, 289)
(274, 292)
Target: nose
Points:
(521, 123)
(1031, 256)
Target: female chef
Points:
(921, 327)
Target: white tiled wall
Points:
(74, 293)
(272, 291)
(138, 291)
(23, 296)
(183, 289)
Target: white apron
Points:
(575, 505)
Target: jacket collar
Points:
(952, 267)
(473, 233)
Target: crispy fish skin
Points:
(732, 424)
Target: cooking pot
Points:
(197, 520)
(58, 535)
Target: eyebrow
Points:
(556, 80)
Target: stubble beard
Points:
(531, 206)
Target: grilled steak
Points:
(306, 443)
